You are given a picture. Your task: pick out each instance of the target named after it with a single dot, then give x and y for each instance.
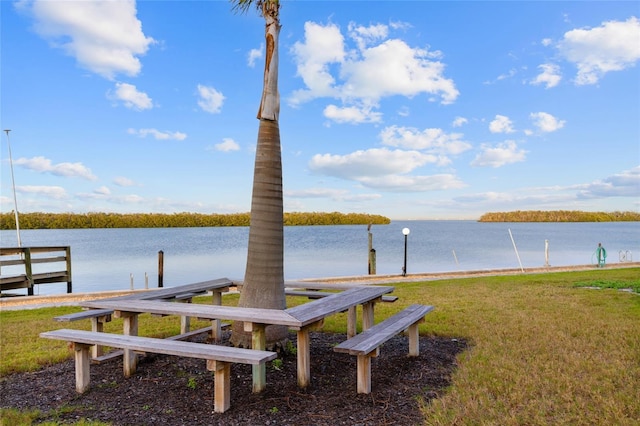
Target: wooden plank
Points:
(163, 346)
(320, 286)
(90, 313)
(48, 259)
(367, 341)
(222, 385)
(317, 294)
(11, 262)
(168, 292)
(309, 313)
(81, 356)
(256, 315)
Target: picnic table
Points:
(302, 318)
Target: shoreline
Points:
(20, 302)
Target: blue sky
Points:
(409, 109)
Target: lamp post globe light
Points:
(405, 232)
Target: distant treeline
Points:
(175, 220)
(560, 216)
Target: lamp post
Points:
(13, 183)
(405, 232)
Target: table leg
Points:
(97, 325)
(367, 315)
(304, 358)
(258, 342)
(185, 321)
(216, 324)
(130, 360)
(352, 321)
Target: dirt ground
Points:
(169, 390)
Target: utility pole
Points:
(13, 183)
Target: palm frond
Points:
(242, 6)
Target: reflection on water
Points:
(104, 259)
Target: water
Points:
(104, 259)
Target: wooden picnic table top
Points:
(316, 310)
(254, 315)
(170, 292)
(296, 317)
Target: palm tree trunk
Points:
(264, 276)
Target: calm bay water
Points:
(104, 259)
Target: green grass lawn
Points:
(544, 348)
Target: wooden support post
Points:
(364, 374)
(185, 321)
(352, 322)
(367, 315)
(304, 355)
(68, 256)
(97, 325)
(221, 385)
(81, 355)
(258, 342)
(130, 328)
(160, 268)
(414, 339)
(216, 324)
(28, 270)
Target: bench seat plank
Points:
(90, 313)
(367, 341)
(163, 346)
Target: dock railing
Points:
(26, 267)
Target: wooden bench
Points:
(27, 275)
(219, 358)
(366, 344)
(99, 317)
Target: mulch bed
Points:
(169, 390)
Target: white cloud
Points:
(501, 124)
(499, 155)
(431, 140)
(104, 37)
(613, 46)
(44, 165)
(352, 114)
(459, 122)
(227, 145)
(546, 122)
(394, 68)
(103, 190)
(210, 99)
(333, 194)
(364, 36)
(254, 55)
(54, 192)
(123, 181)
(397, 183)
(376, 68)
(131, 97)
(157, 134)
(625, 184)
(323, 45)
(550, 76)
(372, 162)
